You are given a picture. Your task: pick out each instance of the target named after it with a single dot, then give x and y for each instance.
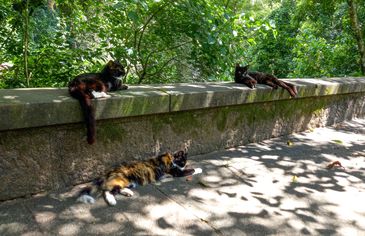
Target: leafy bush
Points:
(48, 42)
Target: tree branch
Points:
(145, 63)
(149, 19)
(162, 67)
(26, 42)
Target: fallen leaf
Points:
(294, 178)
(334, 164)
(337, 141)
(290, 143)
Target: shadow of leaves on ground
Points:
(258, 189)
(319, 201)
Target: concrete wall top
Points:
(36, 107)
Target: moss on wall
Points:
(65, 158)
(111, 131)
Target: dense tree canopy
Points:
(48, 42)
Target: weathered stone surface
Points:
(36, 159)
(24, 108)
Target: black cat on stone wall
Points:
(251, 78)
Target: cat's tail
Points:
(292, 89)
(88, 111)
(289, 87)
(86, 194)
(89, 114)
(107, 188)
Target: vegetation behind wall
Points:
(45, 43)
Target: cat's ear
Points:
(110, 63)
(246, 67)
(238, 65)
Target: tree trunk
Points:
(357, 33)
(26, 42)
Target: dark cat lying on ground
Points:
(87, 86)
(251, 78)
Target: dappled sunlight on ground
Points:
(317, 201)
(264, 188)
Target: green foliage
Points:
(273, 51)
(325, 45)
(165, 41)
(317, 56)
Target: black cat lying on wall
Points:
(251, 78)
(87, 86)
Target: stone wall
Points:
(43, 139)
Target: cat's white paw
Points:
(197, 171)
(109, 198)
(126, 192)
(96, 94)
(86, 199)
(105, 95)
(100, 94)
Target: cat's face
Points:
(115, 69)
(180, 159)
(116, 72)
(241, 72)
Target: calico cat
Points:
(129, 175)
(87, 86)
(251, 78)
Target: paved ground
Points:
(274, 187)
